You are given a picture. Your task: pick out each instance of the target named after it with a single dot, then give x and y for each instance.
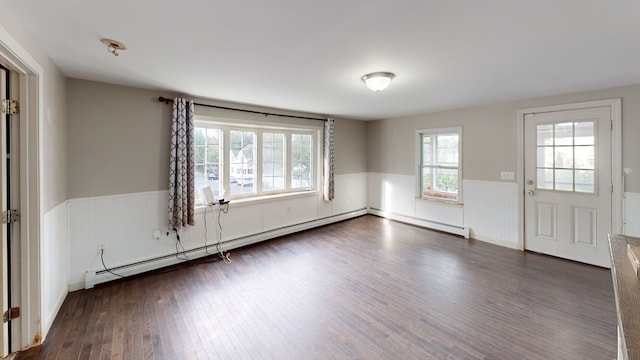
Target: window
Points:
(273, 161)
(301, 145)
(440, 163)
(566, 156)
(243, 161)
(207, 157)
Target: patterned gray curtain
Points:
(328, 160)
(181, 194)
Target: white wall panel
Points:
(490, 211)
(55, 262)
(392, 193)
(241, 220)
(285, 212)
(632, 214)
(394, 196)
(350, 194)
(374, 190)
(124, 224)
(440, 212)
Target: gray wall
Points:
(350, 146)
(490, 135)
(54, 140)
(118, 139)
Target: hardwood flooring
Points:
(366, 288)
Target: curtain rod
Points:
(170, 101)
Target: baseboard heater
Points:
(452, 229)
(98, 276)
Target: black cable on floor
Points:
(105, 266)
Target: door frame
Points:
(30, 96)
(615, 105)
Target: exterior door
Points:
(568, 185)
(9, 199)
(4, 248)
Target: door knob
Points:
(530, 193)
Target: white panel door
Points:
(568, 184)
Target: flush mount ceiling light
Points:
(378, 81)
(113, 46)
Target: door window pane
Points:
(545, 135)
(584, 156)
(565, 156)
(545, 156)
(545, 179)
(564, 180)
(585, 181)
(563, 134)
(585, 133)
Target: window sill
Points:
(440, 201)
(254, 200)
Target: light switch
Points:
(507, 175)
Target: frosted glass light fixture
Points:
(378, 81)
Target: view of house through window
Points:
(243, 161)
(440, 163)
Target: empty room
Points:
(296, 179)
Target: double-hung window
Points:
(239, 160)
(440, 163)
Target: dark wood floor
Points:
(366, 288)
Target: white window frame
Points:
(228, 124)
(418, 157)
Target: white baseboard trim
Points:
(54, 311)
(98, 276)
(490, 240)
(453, 229)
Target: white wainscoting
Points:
(124, 225)
(55, 263)
(632, 214)
(394, 196)
(391, 193)
(490, 211)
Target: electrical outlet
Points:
(100, 248)
(156, 234)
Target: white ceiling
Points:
(309, 55)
